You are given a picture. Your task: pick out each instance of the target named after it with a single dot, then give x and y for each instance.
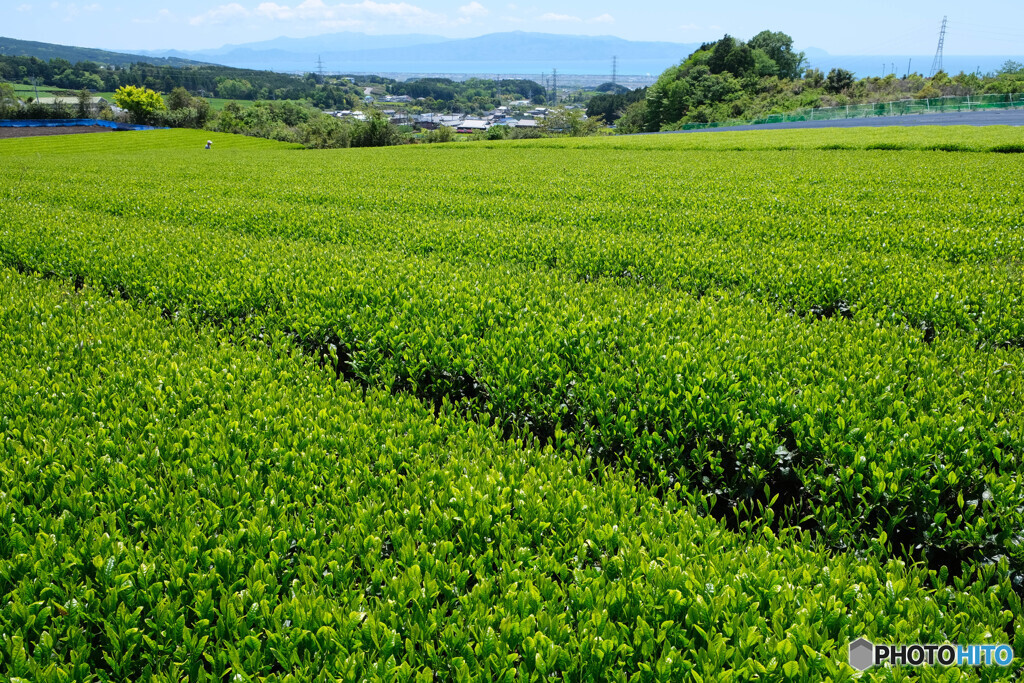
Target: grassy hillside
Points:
(48, 51)
(701, 407)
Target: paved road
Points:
(997, 117)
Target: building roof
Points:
(50, 99)
(439, 118)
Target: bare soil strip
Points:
(50, 130)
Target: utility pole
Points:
(554, 84)
(909, 60)
(937, 62)
(615, 60)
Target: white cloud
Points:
(163, 15)
(310, 9)
(512, 6)
(219, 15)
(341, 15)
(689, 27)
(473, 9)
(551, 16)
(25, 8)
(317, 10)
(602, 19)
(73, 10)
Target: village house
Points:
(472, 126)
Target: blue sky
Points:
(868, 27)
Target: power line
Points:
(982, 28)
(990, 36)
(896, 43)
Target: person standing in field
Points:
(209, 144)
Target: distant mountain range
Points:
(48, 51)
(330, 42)
(519, 52)
(513, 52)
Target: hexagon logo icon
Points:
(862, 654)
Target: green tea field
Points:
(650, 408)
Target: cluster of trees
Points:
(186, 111)
(611, 105)
(57, 72)
(440, 94)
(207, 81)
(710, 84)
(731, 79)
(285, 120)
(290, 121)
(1009, 79)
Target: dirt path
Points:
(6, 132)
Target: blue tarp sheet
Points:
(52, 123)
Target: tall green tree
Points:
(84, 104)
(376, 131)
(779, 48)
(8, 100)
(141, 103)
(838, 80)
(571, 122)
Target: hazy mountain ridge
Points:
(329, 42)
(48, 51)
(361, 52)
